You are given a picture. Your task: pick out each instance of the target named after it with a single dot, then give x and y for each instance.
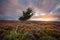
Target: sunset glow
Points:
(41, 19)
(44, 18)
(48, 17)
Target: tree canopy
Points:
(26, 15)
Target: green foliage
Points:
(12, 35)
(24, 34)
(26, 15)
(17, 34)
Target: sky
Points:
(12, 9)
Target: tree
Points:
(26, 15)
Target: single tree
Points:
(26, 15)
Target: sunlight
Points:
(47, 18)
(41, 16)
(44, 18)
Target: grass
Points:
(28, 34)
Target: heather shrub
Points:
(25, 34)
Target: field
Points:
(29, 30)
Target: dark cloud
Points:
(57, 12)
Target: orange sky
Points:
(46, 16)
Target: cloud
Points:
(15, 7)
(57, 10)
(8, 6)
(11, 5)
